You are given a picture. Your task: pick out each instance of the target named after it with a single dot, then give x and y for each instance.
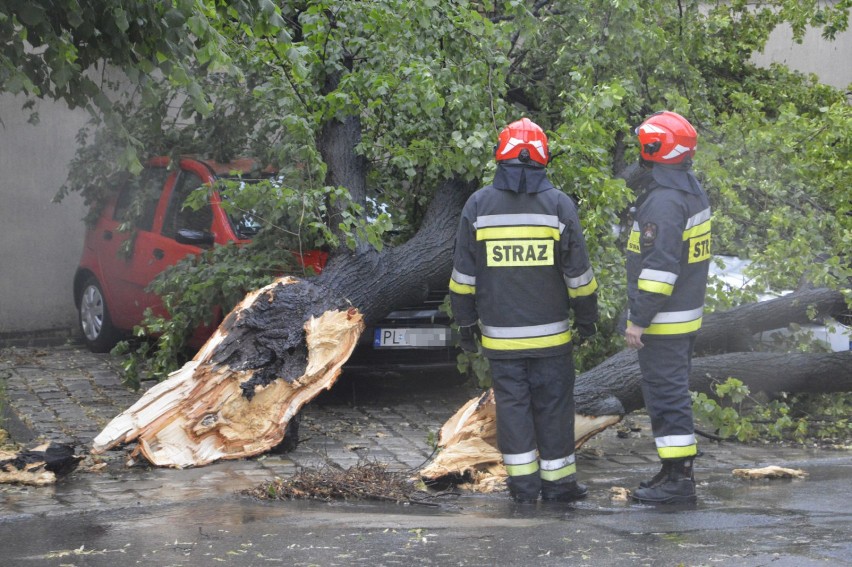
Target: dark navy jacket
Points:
(520, 264)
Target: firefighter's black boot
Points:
(568, 492)
(659, 477)
(677, 488)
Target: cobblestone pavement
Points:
(68, 395)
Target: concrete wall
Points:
(41, 241)
(831, 61)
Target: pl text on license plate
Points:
(414, 337)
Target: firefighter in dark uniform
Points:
(520, 265)
(668, 256)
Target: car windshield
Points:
(245, 222)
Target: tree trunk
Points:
(208, 410)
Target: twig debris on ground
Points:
(369, 481)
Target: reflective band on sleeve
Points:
(462, 289)
(582, 285)
(655, 287)
(521, 464)
(558, 469)
(656, 281)
(462, 284)
(463, 278)
(585, 290)
(658, 275)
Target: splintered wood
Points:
(468, 446)
(38, 466)
(199, 415)
(771, 471)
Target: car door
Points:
(158, 249)
(116, 244)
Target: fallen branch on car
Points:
(235, 398)
(210, 410)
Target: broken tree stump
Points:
(210, 410)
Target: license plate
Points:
(416, 337)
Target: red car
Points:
(110, 287)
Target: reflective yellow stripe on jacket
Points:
(675, 322)
(530, 337)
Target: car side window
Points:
(180, 217)
(138, 198)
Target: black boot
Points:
(677, 488)
(659, 477)
(568, 492)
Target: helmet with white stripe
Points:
(523, 141)
(667, 137)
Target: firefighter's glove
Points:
(583, 332)
(469, 338)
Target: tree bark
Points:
(235, 398)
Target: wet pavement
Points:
(143, 515)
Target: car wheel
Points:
(95, 323)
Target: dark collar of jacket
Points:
(676, 176)
(521, 178)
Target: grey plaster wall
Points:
(41, 241)
(831, 61)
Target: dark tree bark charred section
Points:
(269, 338)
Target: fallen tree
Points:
(281, 346)
(286, 342)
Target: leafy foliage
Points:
(428, 84)
(800, 418)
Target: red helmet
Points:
(667, 137)
(524, 142)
